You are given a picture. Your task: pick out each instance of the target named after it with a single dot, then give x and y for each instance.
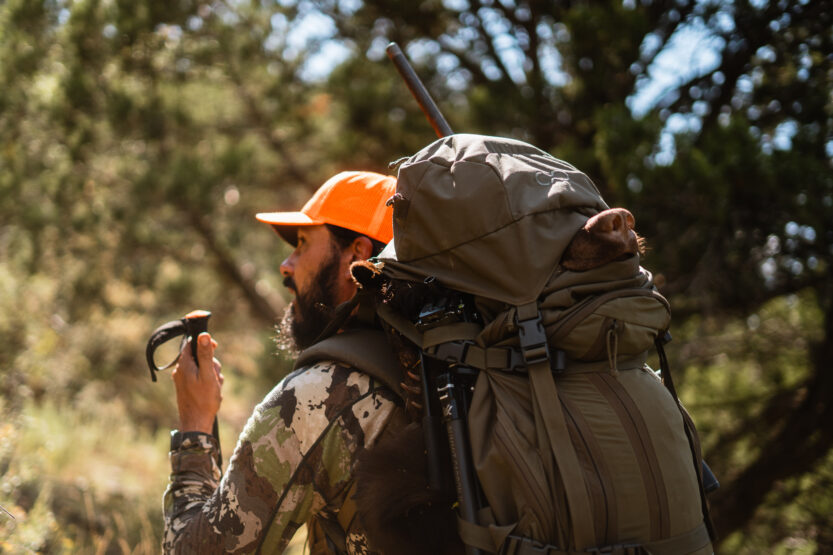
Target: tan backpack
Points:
(576, 444)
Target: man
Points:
(295, 456)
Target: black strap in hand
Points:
(191, 326)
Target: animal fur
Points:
(607, 236)
(399, 512)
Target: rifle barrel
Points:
(423, 98)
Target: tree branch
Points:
(262, 307)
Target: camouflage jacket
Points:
(293, 460)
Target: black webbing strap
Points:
(341, 315)
(335, 537)
(665, 370)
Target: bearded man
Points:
(294, 460)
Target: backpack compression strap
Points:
(533, 341)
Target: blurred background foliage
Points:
(138, 139)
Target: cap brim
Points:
(285, 218)
(286, 224)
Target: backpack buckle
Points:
(533, 340)
(454, 352)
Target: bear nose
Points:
(622, 219)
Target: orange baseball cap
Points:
(353, 200)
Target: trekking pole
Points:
(431, 431)
(189, 327)
(429, 107)
(456, 421)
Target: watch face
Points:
(176, 439)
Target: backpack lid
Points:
(485, 215)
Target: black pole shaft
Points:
(465, 478)
(431, 432)
(423, 98)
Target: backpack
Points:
(575, 443)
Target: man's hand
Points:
(198, 390)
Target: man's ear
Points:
(361, 248)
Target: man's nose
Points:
(288, 266)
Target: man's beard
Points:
(310, 312)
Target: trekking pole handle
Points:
(196, 322)
(191, 326)
(418, 90)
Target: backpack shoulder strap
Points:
(365, 349)
(369, 351)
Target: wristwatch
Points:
(178, 437)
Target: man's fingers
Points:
(218, 366)
(205, 351)
(185, 365)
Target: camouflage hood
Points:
(487, 216)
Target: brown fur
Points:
(406, 298)
(400, 513)
(607, 236)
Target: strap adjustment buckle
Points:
(453, 352)
(533, 340)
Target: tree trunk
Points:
(803, 441)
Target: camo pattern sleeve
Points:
(293, 460)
